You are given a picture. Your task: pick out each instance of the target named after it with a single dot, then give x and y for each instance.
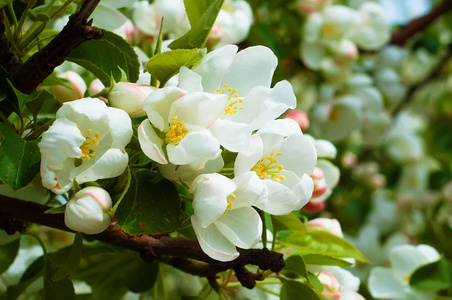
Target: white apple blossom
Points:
(282, 158)
(87, 211)
(244, 78)
(331, 225)
(148, 16)
(374, 30)
(86, 143)
(223, 217)
(176, 130)
(393, 283)
(232, 24)
(130, 97)
(339, 283)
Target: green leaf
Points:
(315, 282)
(143, 277)
(325, 260)
(53, 80)
(288, 222)
(35, 104)
(22, 98)
(195, 9)
(149, 207)
(196, 37)
(165, 65)
(53, 290)
(323, 242)
(102, 58)
(19, 159)
(295, 264)
(72, 260)
(296, 290)
(132, 60)
(8, 253)
(56, 210)
(433, 277)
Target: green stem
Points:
(13, 14)
(29, 48)
(23, 18)
(264, 229)
(32, 34)
(10, 36)
(237, 284)
(62, 9)
(268, 290)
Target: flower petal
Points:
(120, 128)
(233, 136)
(251, 67)
(383, 284)
(109, 165)
(251, 191)
(210, 197)
(281, 200)
(213, 243)
(242, 227)
(195, 147)
(298, 155)
(150, 143)
(189, 80)
(246, 160)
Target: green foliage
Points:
(149, 207)
(72, 261)
(165, 65)
(433, 277)
(323, 242)
(4, 3)
(325, 260)
(288, 222)
(296, 290)
(19, 159)
(107, 56)
(7, 254)
(202, 16)
(296, 267)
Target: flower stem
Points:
(264, 229)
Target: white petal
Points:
(214, 65)
(325, 149)
(189, 80)
(213, 243)
(282, 127)
(246, 160)
(405, 259)
(199, 108)
(107, 17)
(383, 284)
(331, 172)
(88, 113)
(233, 136)
(312, 54)
(303, 190)
(250, 191)
(120, 128)
(430, 254)
(196, 146)
(210, 197)
(150, 143)
(242, 227)
(298, 155)
(60, 142)
(281, 200)
(253, 66)
(158, 104)
(86, 215)
(109, 165)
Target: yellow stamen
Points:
(176, 132)
(266, 168)
(89, 144)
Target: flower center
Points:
(176, 132)
(89, 144)
(233, 99)
(229, 199)
(267, 167)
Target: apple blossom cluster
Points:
(333, 33)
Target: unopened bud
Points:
(87, 211)
(314, 207)
(332, 288)
(96, 87)
(300, 117)
(130, 97)
(65, 94)
(331, 225)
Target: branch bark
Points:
(14, 212)
(401, 37)
(28, 76)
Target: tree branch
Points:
(402, 36)
(13, 212)
(28, 76)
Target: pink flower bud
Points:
(332, 288)
(330, 225)
(215, 36)
(300, 117)
(87, 211)
(96, 87)
(320, 186)
(313, 207)
(130, 97)
(77, 90)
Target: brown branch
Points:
(13, 211)
(401, 37)
(28, 76)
